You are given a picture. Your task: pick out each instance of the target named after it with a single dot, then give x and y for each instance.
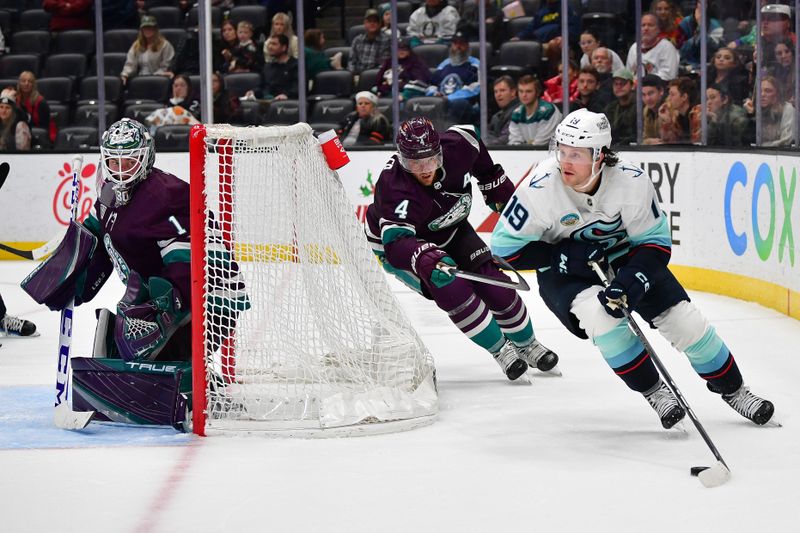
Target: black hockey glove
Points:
(496, 188)
(627, 289)
(571, 258)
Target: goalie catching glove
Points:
(496, 188)
(147, 316)
(424, 261)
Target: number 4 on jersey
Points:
(402, 209)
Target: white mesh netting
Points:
(302, 332)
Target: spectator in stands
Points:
(534, 121)
(434, 22)
(71, 15)
(224, 50)
(225, 105)
(652, 98)
(727, 69)
(728, 124)
(659, 55)
(505, 94)
(316, 59)
(150, 54)
(182, 108)
(588, 94)
(369, 49)
(456, 78)
(366, 125)
(244, 57)
(495, 23)
(673, 114)
(783, 69)
(10, 91)
(589, 43)
(621, 112)
(2, 43)
(33, 104)
(282, 25)
(668, 18)
(554, 87)
(690, 31)
(385, 12)
(280, 74)
(602, 62)
(545, 27)
(411, 71)
(15, 135)
(777, 115)
(775, 26)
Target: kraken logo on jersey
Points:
(120, 266)
(457, 213)
(610, 234)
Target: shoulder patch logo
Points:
(536, 180)
(570, 219)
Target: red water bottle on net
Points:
(335, 154)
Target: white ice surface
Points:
(579, 453)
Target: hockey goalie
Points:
(139, 370)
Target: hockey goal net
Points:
(295, 329)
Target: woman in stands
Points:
(777, 115)
(366, 125)
(727, 69)
(225, 105)
(228, 41)
(414, 74)
(15, 135)
(316, 59)
(590, 42)
(282, 25)
(150, 54)
(669, 19)
(34, 104)
(783, 69)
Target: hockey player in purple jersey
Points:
(140, 225)
(419, 221)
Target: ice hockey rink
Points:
(580, 453)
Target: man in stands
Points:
(588, 95)
(534, 120)
(652, 98)
(505, 94)
(371, 48)
(434, 22)
(280, 75)
(456, 78)
(602, 61)
(621, 112)
(419, 231)
(660, 57)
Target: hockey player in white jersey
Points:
(585, 204)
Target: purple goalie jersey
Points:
(150, 234)
(433, 214)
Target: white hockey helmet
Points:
(127, 156)
(584, 129)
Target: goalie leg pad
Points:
(104, 345)
(132, 392)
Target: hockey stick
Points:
(710, 476)
(520, 284)
(38, 253)
(4, 169)
(64, 417)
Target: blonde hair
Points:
(34, 91)
(140, 45)
(287, 23)
(245, 24)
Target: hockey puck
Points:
(695, 470)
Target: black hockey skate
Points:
(750, 406)
(12, 326)
(665, 405)
(538, 355)
(508, 359)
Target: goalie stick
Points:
(64, 417)
(38, 253)
(520, 284)
(710, 476)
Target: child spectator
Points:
(244, 56)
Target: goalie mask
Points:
(418, 148)
(587, 132)
(127, 157)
